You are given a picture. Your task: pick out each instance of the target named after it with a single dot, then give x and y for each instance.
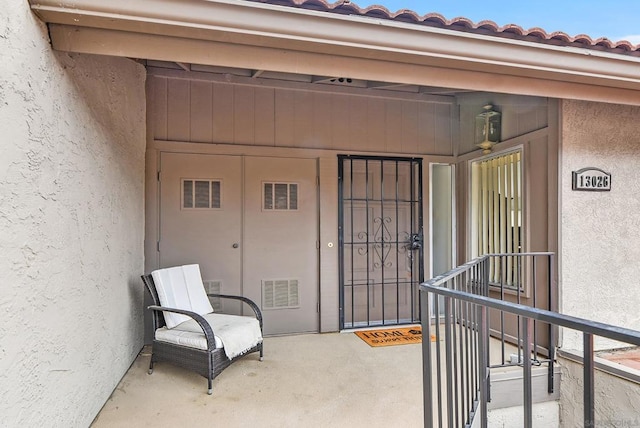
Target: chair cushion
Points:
(181, 287)
(237, 334)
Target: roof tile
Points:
(512, 31)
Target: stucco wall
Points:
(616, 400)
(600, 231)
(71, 225)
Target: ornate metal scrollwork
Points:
(381, 246)
(363, 250)
(382, 243)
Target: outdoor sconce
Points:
(487, 129)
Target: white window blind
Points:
(497, 213)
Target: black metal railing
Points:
(527, 279)
(456, 371)
(523, 278)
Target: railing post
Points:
(589, 387)
(436, 309)
(486, 327)
(483, 345)
(527, 327)
(427, 397)
(448, 355)
(552, 328)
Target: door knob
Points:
(235, 245)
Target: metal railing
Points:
(524, 278)
(456, 373)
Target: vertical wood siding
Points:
(520, 115)
(212, 112)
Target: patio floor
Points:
(316, 380)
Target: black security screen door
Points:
(380, 240)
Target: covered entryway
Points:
(252, 225)
(380, 236)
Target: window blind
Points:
(497, 213)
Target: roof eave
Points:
(249, 24)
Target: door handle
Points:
(235, 245)
(416, 241)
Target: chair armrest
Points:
(202, 322)
(246, 300)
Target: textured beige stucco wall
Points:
(600, 231)
(72, 140)
(616, 399)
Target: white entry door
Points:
(252, 225)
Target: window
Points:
(280, 196)
(496, 206)
(201, 194)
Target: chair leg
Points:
(261, 351)
(210, 377)
(150, 365)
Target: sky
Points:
(614, 19)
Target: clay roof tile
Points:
(486, 27)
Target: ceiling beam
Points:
(185, 67)
(321, 79)
(301, 86)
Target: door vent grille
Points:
(280, 294)
(201, 194)
(214, 287)
(280, 196)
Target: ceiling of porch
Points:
(325, 81)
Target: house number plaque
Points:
(591, 179)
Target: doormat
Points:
(393, 336)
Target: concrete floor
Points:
(319, 380)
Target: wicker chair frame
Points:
(208, 363)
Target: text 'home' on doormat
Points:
(392, 336)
